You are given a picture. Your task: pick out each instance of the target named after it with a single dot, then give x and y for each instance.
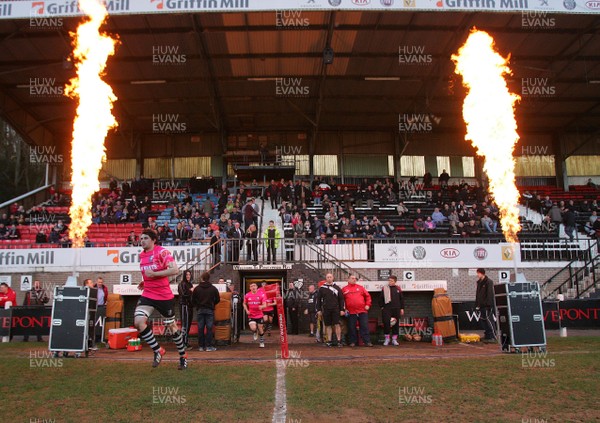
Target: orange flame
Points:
(94, 117)
(488, 111)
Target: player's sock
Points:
(149, 338)
(178, 339)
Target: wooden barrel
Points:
(443, 322)
(223, 319)
(114, 313)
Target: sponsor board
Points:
(133, 289)
(18, 9)
(406, 286)
(455, 255)
(109, 259)
(572, 314)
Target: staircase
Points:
(577, 280)
(317, 258)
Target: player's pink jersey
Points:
(267, 308)
(254, 301)
(158, 259)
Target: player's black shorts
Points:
(312, 317)
(331, 317)
(164, 307)
(269, 313)
(257, 320)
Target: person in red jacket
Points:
(6, 295)
(358, 303)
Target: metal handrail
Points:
(23, 196)
(333, 260)
(589, 263)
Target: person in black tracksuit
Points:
(330, 303)
(394, 307)
(292, 304)
(484, 303)
(205, 297)
(311, 309)
(186, 310)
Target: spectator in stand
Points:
(443, 179)
(555, 214)
(133, 240)
(388, 229)
(331, 216)
(569, 219)
(197, 233)
(272, 192)
(589, 225)
(162, 235)
(40, 237)
(236, 235)
(437, 216)
(419, 225)
(429, 225)
(142, 215)
(472, 229)
(215, 246)
(322, 239)
(427, 179)
(489, 224)
(271, 236)
(13, 233)
(402, 210)
(236, 215)
(591, 184)
(3, 231)
(358, 302)
(252, 244)
(204, 298)
(180, 234)
(35, 297)
(308, 233)
(546, 204)
(7, 295)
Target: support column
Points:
(560, 163)
(397, 155)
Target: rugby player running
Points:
(156, 265)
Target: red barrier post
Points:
(273, 291)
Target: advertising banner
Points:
(576, 314)
(67, 8)
(406, 286)
(448, 255)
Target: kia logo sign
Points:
(450, 253)
(594, 5)
(480, 253)
(361, 2)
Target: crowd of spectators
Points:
(323, 211)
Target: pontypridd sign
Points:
(67, 8)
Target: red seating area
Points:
(112, 234)
(102, 235)
(575, 193)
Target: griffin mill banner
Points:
(63, 259)
(67, 8)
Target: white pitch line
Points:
(280, 408)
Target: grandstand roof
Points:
(228, 65)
